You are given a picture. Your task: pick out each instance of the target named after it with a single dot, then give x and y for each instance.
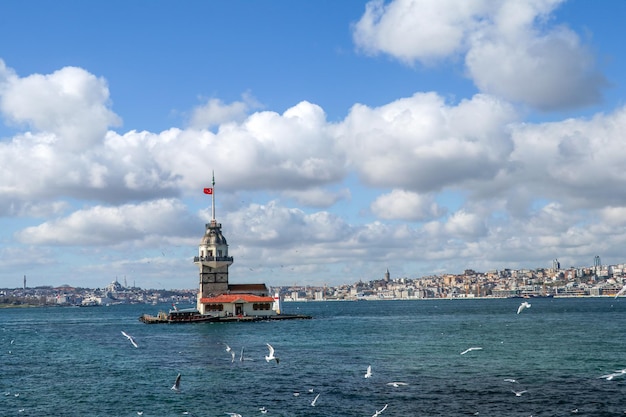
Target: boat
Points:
(192, 315)
(177, 316)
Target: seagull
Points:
(227, 347)
(620, 292)
(233, 414)
(241, 356)
(263, 410)
(519, 393)
(368, 374)
(397, 384)
(314, 400)
(609, 377)
(378, 412)
(510, 380)
(140, 413)
(232, 354)
(176, 386)
(130, 338)
(523, 306)
(296, 394)
(271, 356)
(470, 349)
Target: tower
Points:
(212, 260)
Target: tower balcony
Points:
(213, 261)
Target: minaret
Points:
(212, 260)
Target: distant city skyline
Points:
(346, 138)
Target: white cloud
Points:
(275, 225)
(576, 161)
(417, 30)
(215, 112)
(510, 49)
(422, 144)
(318, 197)
(70, 104)
(549, 71)
(110, 226)
(533, 192)
(462, 227)
(406, 205)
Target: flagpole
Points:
(213, 198)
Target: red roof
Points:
(236, 298)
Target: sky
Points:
(347, 138)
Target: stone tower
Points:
(213, 260)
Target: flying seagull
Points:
(176, 386)
(519, 393)
(368, 374)
(523, 306)
(227, 347)
(314, 400)
(233, 414)
(470, 349)
(610, 377)
(271, 356)
(378, 412)
(620, 292)
(130, 338)
(241, 356)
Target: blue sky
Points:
(346, 138)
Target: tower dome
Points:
(213, 237)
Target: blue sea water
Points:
(75, 362)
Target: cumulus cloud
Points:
(422, 144)
(319, 197)
(406, 205)
(530, 192)
(273, 224)
(215, 112)
(570, 160)
(548, 70)
(417, 30)
(72, 154)
(70, 104)
(108, 226)
(510, 49)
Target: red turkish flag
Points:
(208, 191)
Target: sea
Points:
(552, 359)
